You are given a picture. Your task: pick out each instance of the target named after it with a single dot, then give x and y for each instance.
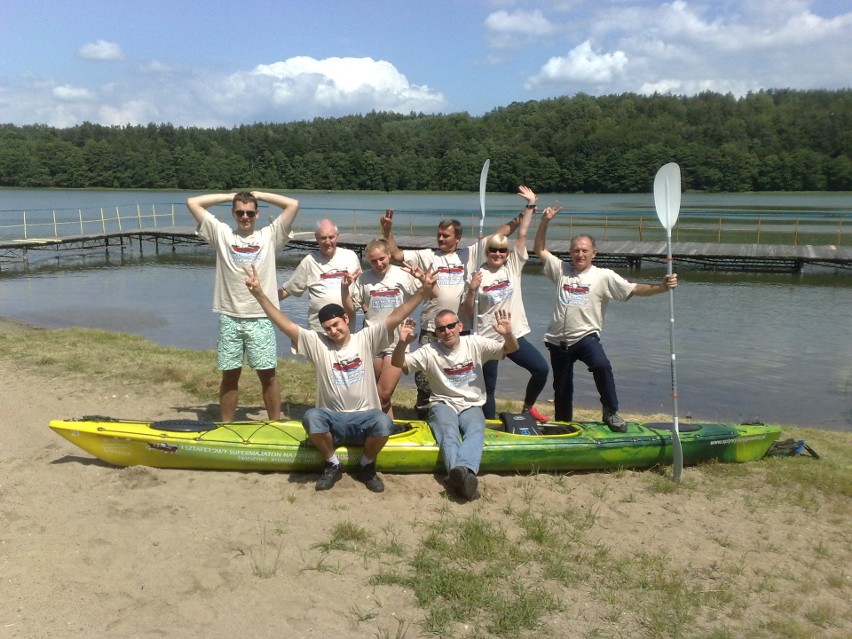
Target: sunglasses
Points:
(497, 250)
(249, 214)
(446, 327)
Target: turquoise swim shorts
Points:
(251, 338)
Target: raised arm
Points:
(284, 323)
(386, 222)
(346, 300)
(526, 218)
(541, 234)
(405, 309)
(470, 293)
(289, 206)
(647, 290)
(406, 336)
(503, 325)
(199, 204)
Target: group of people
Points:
(476, 287)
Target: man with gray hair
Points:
(320, 273)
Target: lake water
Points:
(776, 348)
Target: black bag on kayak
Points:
(520, 424)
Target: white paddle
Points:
(483, 178)
(667, 202)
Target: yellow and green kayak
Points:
(283, 445)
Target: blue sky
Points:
(215, 63)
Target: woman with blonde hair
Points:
(498, 285)
(377, 292)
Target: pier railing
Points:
(720, 228)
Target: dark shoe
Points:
(367, 474)
(331, 474)
(463, 480)
(612, 419)
(456, 477)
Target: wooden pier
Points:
(618, 253)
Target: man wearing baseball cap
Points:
(348, 410)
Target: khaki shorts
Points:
(251, 339)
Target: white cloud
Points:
(581, 65)
(334, 86)
(67, 93)
(130, 112)
(504, 24)
(101, 50)
(293, 89)
(155, 66)
(692, 46)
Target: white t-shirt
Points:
(380, 294)
(346, 381)
(452, 271)
(320, 276)
(500, 290)
(235, 251)
(455, 377)
(581, 299)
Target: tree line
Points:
(776, 140)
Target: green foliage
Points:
(769, 140)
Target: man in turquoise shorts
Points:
(245, 333)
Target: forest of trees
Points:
(779, 140)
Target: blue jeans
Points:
(348, 428)
(589, 351)
(528, 357)
(460, 436)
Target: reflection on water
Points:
(772, 347)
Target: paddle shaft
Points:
(677, 448)
(483, 179)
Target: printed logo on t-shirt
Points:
(452, 275)
(385, 297)
(331, 279)
(574, 295)
(245, 253)
(460, 374)
(348, 371)
(498, 291)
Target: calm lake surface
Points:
(776, 348)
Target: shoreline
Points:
(91, 549)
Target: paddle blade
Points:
(483, 178)
(667, 194)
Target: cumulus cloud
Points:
(67, 93)
(129, 112)
(332, 86)
(101, 50)
(582, 65)
(511, 28)
(294, 89)
(689, 46)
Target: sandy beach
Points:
(87, 549)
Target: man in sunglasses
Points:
(582, 293)
(453, 366)
(245, 333)
(348, 409)
(453, 266)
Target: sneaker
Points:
(612, 419)
(533, 411)
(331, 474)
(463, 481)
(367, 474)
